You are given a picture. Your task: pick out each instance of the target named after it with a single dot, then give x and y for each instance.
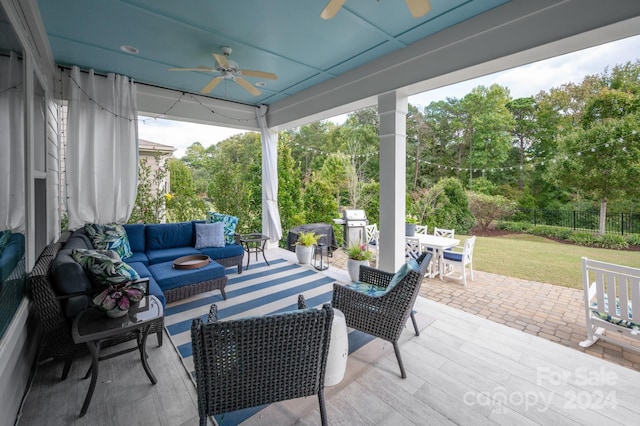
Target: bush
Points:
(489, 208)
(514, 226)
(610, 241)
(582, 238)
(633, 239)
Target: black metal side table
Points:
(94, 327)
(254, 243)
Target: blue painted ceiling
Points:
(284, 37)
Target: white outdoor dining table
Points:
(439, 245)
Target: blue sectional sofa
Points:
(154, 247)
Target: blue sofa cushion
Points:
(154, 288)
(68, 275)
(168, 235)
(168, 277)
(135, 232)
(138, 256)
(229, 250)
(170, 254)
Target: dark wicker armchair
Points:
(253, 361)
(382, 316)
(57, 342)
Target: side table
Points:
(254, 243)
(94, 327)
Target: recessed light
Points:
(129, 49)
(261, 84)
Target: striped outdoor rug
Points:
(259, 291)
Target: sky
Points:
(523, 81)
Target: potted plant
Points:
(304, 246)
(358, 254)
(116, 299)
(410, 223)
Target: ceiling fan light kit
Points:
(418, 8)
(229, 71)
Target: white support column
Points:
(392, 109)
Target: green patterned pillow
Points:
(230, 223)
(109, 237)
(5, 236)
(104, 266)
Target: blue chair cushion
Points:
(170, 254)
(452, 256)
(229, 250)
(168, 277)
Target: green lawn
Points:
(540, 259)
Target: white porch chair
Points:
(441, 232)
(422, 229)
(455, 258)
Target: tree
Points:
(150, 194)
(602, 155)
(489, 208)
(289, 184)
(524, 130)
(183, 204)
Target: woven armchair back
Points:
(56, 330)
(259, 360)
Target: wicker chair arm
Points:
(213, 314)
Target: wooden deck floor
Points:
(462, 369)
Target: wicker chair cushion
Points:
(109, 237)
(230, 223)
(376, 291)
(210, 235)
(103, 267)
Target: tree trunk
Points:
(603, 215)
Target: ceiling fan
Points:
(417, 8)
(229, 71)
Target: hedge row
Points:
(610, 241)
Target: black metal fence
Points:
(616, 223)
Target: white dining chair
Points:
(422, 229)
(441, 232)
(455, 258)
(372, 233)
(411, 247)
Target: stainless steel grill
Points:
(354, 223)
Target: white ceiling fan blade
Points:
(247, 86)
(260, 74)
(419, 8)
(198, 68)
(331, 9)
(222, 60)
(212, 84)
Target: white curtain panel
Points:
(102, 148)
(12, 212)
(270, 213)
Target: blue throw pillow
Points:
(230, 223)
(411, 265)
(109, 237)
(104, 267)
(210, 235)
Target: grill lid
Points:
(349, 215)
